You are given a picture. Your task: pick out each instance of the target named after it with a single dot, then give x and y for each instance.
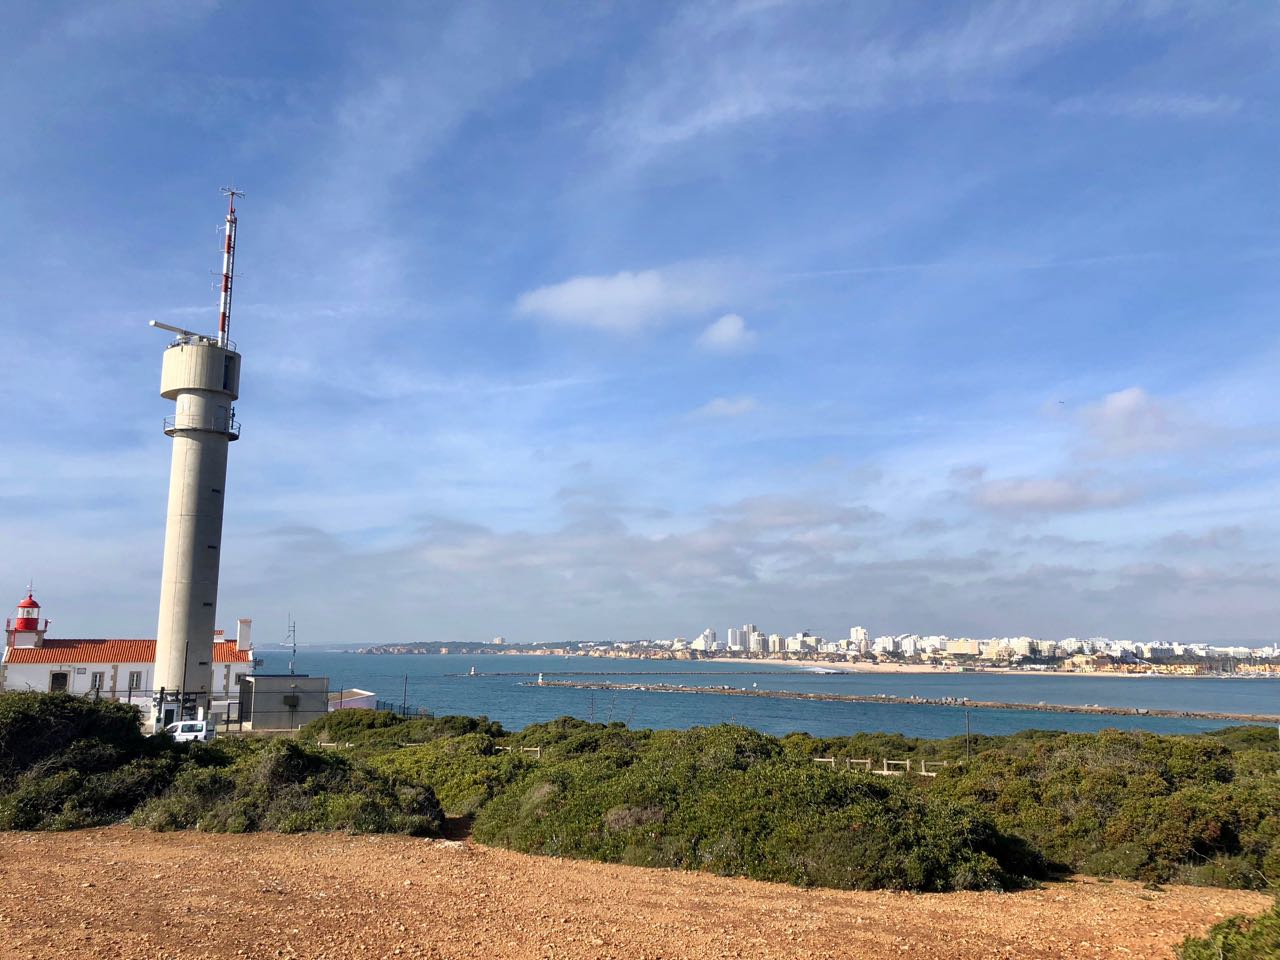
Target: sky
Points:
(596, 321)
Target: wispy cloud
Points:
(1180, 106)
(729, 334)
(1039, 495)
(623, 302)
(1214, 539)
(724, 65)
(727, 407)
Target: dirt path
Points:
(123, 894)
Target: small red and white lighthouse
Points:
(25, 628)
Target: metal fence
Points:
(402, 709)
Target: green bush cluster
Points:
(465, 772)
(67, 763)
(285, 786)
(371, 732)
(732, 801)
(1237, 938)
(1133, 805)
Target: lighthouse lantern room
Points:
(25, 628)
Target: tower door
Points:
(58, 682)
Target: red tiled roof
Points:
(110, 651)
(226, 652)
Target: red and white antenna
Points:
(228, 268)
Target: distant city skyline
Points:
(566, 324)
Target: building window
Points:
(135, 679)
(58, 682)
(97, 680)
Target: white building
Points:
(353, 699)
(885, 644)
(117, 669)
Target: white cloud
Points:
(622, 303)
(1044, 495)
(1131, 421)
(727, 407)
(727, 335)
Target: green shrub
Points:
(730, 801)
(37, 728)
(1133, 805)
(465, 772)
(67, 762)
(1237, 938)
(342, 725)
(374, 732)
(285, 786)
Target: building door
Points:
(58, 682)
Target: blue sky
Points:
(622, 320)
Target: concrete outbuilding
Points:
(282, 701)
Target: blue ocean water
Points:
(443, 685)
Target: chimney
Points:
(244, 628)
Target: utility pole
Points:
(404, 703)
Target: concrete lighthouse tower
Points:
(201, 374)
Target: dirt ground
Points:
(119, 893)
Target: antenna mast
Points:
(228, 267)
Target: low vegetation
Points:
(68, 763)
(1002, 811)
(1238, 938)
(732, 801)
(1135, 805)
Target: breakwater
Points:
(956, 702)
(623, 673)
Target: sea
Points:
(504, 688)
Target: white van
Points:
(204, 730)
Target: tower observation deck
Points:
(201, 375)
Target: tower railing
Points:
(229, 426)
(202, 338)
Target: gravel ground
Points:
(120, 893)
